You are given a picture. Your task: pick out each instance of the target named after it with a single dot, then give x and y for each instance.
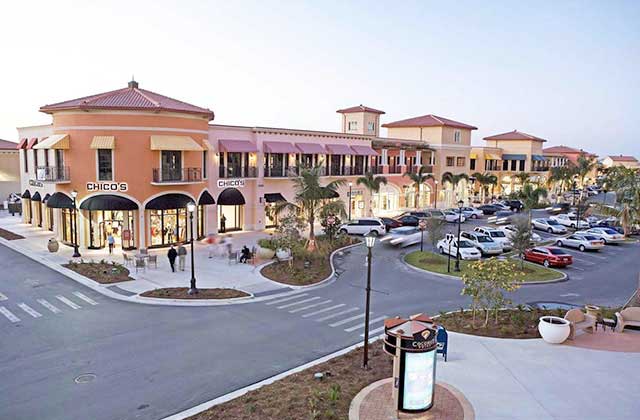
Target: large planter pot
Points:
(593, 310)
(553, 329)
(265, 253)
(53, 245)
(283, 254)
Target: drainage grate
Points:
(85, 378)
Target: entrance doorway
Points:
(118, 223)
(230, 210)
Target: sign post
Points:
(331, 220)
(423, 225)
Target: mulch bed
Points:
(101, 272)
(9, 236)
(181, 293)
(301, 396)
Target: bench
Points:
(628, 317)
(580, 321)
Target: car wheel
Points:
(573, 225)
(581, 248)
(442, 250)
(474, 216)
(550, 230)
(559, 243)
(374, 233)
(605, 241)
(545, 263)
(344, 231)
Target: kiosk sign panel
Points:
(419, 372)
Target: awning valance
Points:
(364, 151)
(32, 143)
(231, 197)
(46, 197)
(514, 157)
(36, 197)
(185, 143)
(279, 147)
(339, 149)
(169, 201)
(538, 158)
(103, 142)
(238, 146)
(108, 202)
(60, 200)
(26, 194)
(311, 148)
(491, 156)
(55, 141)
(274, 198)
(473, 156)
(22, 144)
(206, 199)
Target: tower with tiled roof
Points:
(361, 120)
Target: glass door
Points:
(171, 165)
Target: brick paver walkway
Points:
(628, 341)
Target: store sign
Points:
(419, 375)
(226, 183)
(107, 186)
(34, 183)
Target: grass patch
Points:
(102, 272)
(181, 293)
(437, 263)
(9, 236)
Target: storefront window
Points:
(230, 218)
(200, 221)
(170, 226)
(67, 229)
(118, 223)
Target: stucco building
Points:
(9, 169)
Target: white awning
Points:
(185, 143)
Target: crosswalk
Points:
(350, 319)
(19, 311)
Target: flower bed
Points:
(102, 272)
(182, 293)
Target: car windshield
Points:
(497, 234)
(590, 238)
(611, 231)
(482, 238)
(403, 231)
(555, 251)
(551, 222)
(466, 244)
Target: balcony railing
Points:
(376, 170)
(175, 175)
(238, 172)
(52, 173)
(395, 169)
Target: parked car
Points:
(489, 209)
(548, 225)
(453, 217)
(403, 236)
(497, 235)
(503, 216)
(471, 212)
(509, 230)
(364, 226)
(548, 256)
(514, 205)
(390, 223)
(559, 208)
(409, 220)
(608, 235)
(581, 241)
(449, 245)
(483, 243)
(570, 221)
(419, 214)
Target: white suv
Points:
(497, 235)
(364, 226)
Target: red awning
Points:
(32, 142)
(279, 147)
(364, 151)
(22, 144)
(339, 149)
(311, 148)
(237, 146)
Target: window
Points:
(460, 161)
(513, 165)
(472, 164)
(171, 161)
(204, 164)
(450, 160)
(371, 126)
(105, 165)
(46, 158)
(456, 136)
(521, 165)
(353, 125)
(59, 158)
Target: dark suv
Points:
(514, 205)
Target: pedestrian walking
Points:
(111, 241)
(182, 256)
(211, 244)
(172, 254)
(223, 224)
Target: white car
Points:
(497, 235)
(364, 226)
(485, 244)
(581, 241)
(608, 235)
(570, 220)
(509, 230)
(548, 225)
(453, 217)
(449, 245)
(472, 212)
(403, 236)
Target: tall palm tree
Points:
(485, 179)
(418, 178)
(373, 184)
(454, 180)
(584, 165)
(626, 183)
(523, 177)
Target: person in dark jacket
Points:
(172, 254)
(245, 255)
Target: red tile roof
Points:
(621, 158)
(514, 135)
(8, 145)
(567, 150)
(359, 108)
(130, 98)
(429, 120)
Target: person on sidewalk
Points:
(245, 255)
(182, 256)
(172, 254)
(111, 241)
(223, 224)
(211, 244)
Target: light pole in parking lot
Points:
(457, 266)
(350, 186)
(422, 224)
(74, 224)
(575, 178)
(435, 200)
(370, 241)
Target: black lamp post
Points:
(191, 207)
(370, 241)
(435, 201)
(457, 266)
(74, 224)
(422, 224)
(350, 185)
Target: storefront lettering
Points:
(225, 183)
(36, 183)
(107, 186)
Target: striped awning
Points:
(206, 144)
(237, 146)
(311, 148)
(22, 144)
(184, 143)
(55, 141)
(364, 150)
(103, 142)
(32, 143)
(279, 147)
(339, 149)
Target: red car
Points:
(548, 256)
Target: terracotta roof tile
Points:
(8, 145)
(621, 158)
(429, 120)
(514, 135)
(566, 149)
(359, 108)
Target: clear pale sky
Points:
(567, 71)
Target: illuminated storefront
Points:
(230, 210)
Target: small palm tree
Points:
(418, 178)
(585, 164)
(373, 184)
(454, 180)
(522, 177)
(485, 180)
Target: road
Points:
(150, 362)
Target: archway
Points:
(110, 214)
(386, 201)
(168, 219)
(230, 210)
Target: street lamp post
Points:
(457, 266)
(422, 224)
(435, 200)
(350, 186)
(74, 223)
(370, 241)
(191, 207)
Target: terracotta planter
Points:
(53, 245)
(593, 310)
(265, 253)
(553, 329)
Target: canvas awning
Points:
(26, 194)
(514, 157)
(22, 144)
(103, 142)
(231, 197)
(364, 151)
(538, 158)
(311, 148)
(473, 156)
(45, 198)
(55, 141)
(274, 198)
(339, 149)
(32, 143)
(206, 199)
(237, 146)
(60, 200)
(491, 156)
(279, 147)
(108, 202)
(36, 197)
(184, 143)
(206, 144)
(169, 201)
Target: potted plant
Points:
(593, 310)
(53, 245)
(266, 249)
(553, 329)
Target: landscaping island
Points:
(102, 272)
(182, 293)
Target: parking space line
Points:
(587, 254)
(582, 260)
(324, 318)
(68, 302)
(274, 302)
(8, 314)
(380, 318)
(49, 306)
(374, 332)
(573, 267)
(313, 305)
(3, 297)
(28, 309)
(85, 298)
(344, 321)
(330, 308)
(288, 305)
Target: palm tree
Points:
(626, 183)
(531, 195)
(584, 165)
(373, 184)
(454, 180)
(485, 179)
(418, 178)
(523, 177)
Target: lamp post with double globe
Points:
(191, 208)
(74, 223)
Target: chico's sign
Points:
(107, 186)
(225, 183)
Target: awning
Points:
(311, 148)
(60, 200)
(206, 144)
(46, 197)
(237, 146)
(231, 197)
(513, 157)
(32, 143)
(103, 142)
(169, 201)
(364, 151)
(274, 198)
(185, 143)
(205, 199)
(538, 158)
(26, 194)
(473, 156)
(279, 147)
(36, 197)
(108, 202)
(329, 193)
(56, 141)
(489, 156)
(339, 149)
(22, 144)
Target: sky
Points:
(566, 71)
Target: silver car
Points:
(581, 241)
(549, 225)
(485, 244)
(610, 236)
(403, 236)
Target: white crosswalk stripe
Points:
(372, 333)
(337, 314)
(313, 305)
(372, 321)
(85, 298)
(49, 306)
(28, 309)
(288, 305)
(3, 297)
(275, 302)
(320, 311)
(344, 321)
(68, 302)
(8, 314)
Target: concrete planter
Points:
(553, 329)
(265, 253)
(53, 245)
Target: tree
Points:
(454, 180)
(434, 230)
(373, 184)
(584, 166)
(521, 237)
(531, 195)
(522, 177)
(485, 180)
(626, 184)
(418, 178)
